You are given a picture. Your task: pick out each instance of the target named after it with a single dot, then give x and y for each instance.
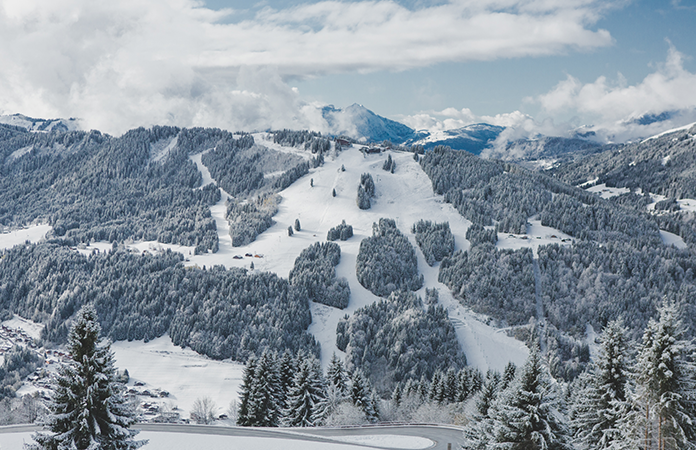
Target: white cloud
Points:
(613, 106)
(133, 62)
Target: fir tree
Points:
(264, 394)
(297, 225)
(306, 399)
(665, 386)
(336, 375)
(360, 395)
(600, 402)
(243, 418)
(526, 415)
(88, 409)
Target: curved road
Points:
(440, 435)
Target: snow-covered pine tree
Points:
(243, 418)
(527, 414)
(286, 367)
(263, 408)
(360, 395)
(478, 434)
(664, 418)
(336, 375)
(600, 400)
(306, 398)
(87, 408)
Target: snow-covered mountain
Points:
(473, 138)
(32, 124)
(360, 123)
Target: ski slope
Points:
(405, 196)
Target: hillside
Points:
(185, 233)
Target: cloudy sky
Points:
(539, 66)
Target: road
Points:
(440, 435)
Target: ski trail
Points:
(541, 319)
(485, 347)
(218, 210)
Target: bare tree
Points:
(204, 410)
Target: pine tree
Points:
(336, 375)
(263, 409)
(600, 402)
(360, 395)
(478, 435)
(243, 418)
(665, 390)
(88, 409)
(297, 225)
(306, 399)
(526, 415)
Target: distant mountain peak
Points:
(38, 125)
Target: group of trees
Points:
(386, 261)
(18, 362)
(366, 190)
(434, 239)
(217, 312)
(315, 273)
(396, 339)
(341, 231)
(499, 283)
(292, 391)
(625, 400)
(90, 186)
(309, 140)
(249, 219)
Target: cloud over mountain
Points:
(127, 63)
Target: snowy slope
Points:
(31, 124)
(406, 196)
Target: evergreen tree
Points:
(360, 395)
(336, 375)
(306, 399)
(263, 410)
(665, 390)
(600, 402)
(297, 225)
(243, 418)
(478, 435)
(526, 415)
(88, 409)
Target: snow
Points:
(32, 329)
(160, 149)
(687, 204)
(672, 239)
(587, 183)
(185, 374)
(666, 159)
(685, 127)
(20, 152)
(388, 441)
(186, 441)
(33, 233)
(537, 235)
(608, 192)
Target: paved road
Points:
(440, 435)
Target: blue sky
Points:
(537, 66)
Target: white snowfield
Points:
(33, 233)
(183, 373)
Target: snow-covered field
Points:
(33, 233)
(183, 373)
(607, 192)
